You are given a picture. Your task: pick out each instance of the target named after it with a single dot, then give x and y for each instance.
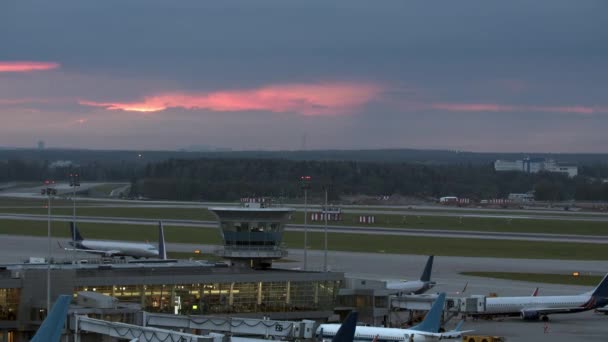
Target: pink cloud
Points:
(26, 66)
(492, 107)
(307, 99)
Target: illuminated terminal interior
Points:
(180, 287)
(223, 298)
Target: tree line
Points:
(220, 179)
(229, 179)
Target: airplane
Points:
(346, 332)
(539, 307)
(118, 248)
(414, 286)
(52, 326)
(427, 330)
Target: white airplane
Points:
(427, 330)
(414, 286)
(118, 248)
(535, 307)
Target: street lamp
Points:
(74, 182)
(305, 185)
(49, 192)
(325, 214)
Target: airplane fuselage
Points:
(409, 287)
(116, 248)
(362, 333)
(533, 307)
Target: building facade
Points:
(536, 165)
(180, 288)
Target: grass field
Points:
(337, 241)
(565, 279)
(390, 221)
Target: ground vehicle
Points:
(481, 338)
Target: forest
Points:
(228, 179)
(219, 178)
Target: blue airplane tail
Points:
(162, 251)
(346, 332)
(426, 274)
(602, 289)
(74, 233)
(50, 330)
(458, 326)
(432, 321)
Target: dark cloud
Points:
(516, 54)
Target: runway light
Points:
(194, 307)
(576, 274)
(197, 251)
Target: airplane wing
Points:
(94, 251)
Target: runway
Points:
(443, 233)
(446, 269)
(407, 210)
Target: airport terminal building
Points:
(183, 287)
(246, 285)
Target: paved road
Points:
(418, 210)
(446, 233)
(446, 270)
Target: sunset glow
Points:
(307, 99)
(490, 107)
(26, 66)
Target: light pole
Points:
(74, 182)
(325, 216)
(49, 192)
(305, 186)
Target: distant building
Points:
(40, 145)
(536, 165)
(60, 164)
(454, 200)
(521, 198)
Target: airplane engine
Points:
(529, 315)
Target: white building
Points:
(521, 198)
(509, 165)
(535, 166)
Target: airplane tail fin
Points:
(426, 274)
(432, 321)
(74, 232)
(52, 326)
(346, 332)
(535, 293)
(162, 251)
(602, 289)
(458, 326)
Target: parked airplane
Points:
(535, 307)
(346, 332)
(52, 326)
(118, 248)
(427, 330)
(414, 286)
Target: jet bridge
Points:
(136, 332)
(235, 326)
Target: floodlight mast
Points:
(305, 186)
(49, 192)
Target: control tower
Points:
(252, 233)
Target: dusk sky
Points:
(505, 76)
